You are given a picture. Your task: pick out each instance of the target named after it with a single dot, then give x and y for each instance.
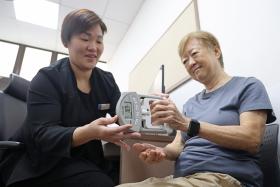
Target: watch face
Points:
(194, 127)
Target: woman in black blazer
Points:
(67, 104)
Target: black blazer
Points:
(53, 112)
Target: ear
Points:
(217, 52)
(65, 45)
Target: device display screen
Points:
(127, 110)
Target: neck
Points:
(81, 75)
(82, 78)
(217, 82)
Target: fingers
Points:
(116, 134)
(140, 147)
(162, 114)
(148, 153)
(154, 156)
(123, 130)
(126, 135)
(132, 135)
(112, 133)
(163, 105)
(164, 111)
(158, 103)
(151, 156)
(143, 156)
(107, 121)
(123, 144)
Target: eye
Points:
(194, 53)
(84, 37)
(100, 41)
(185, 61)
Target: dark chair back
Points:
(12, 106)
(269, 160)
(12, 111)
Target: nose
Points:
(191, 62)
(92, 46)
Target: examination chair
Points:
(13, 109)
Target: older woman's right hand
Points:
(149, 153)
(165, 111)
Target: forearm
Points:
(174, 149)
(172, 152)
(247, 136)
(232, 137)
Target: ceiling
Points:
(118, 15)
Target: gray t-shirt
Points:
(223, 107)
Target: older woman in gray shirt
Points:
(221, 128)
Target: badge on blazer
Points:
(105, 106)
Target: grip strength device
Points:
(135, 109)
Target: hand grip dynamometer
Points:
(135, 109)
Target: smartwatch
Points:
(193, 128)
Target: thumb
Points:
(107, 121)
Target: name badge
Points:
(104, 106)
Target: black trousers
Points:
(108, 177)
(85, 179)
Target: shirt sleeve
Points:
(255, 97)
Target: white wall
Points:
(248, 32)
(151, 22)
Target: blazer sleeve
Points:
(114, 93)
(44, 122)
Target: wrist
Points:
(185, 125)
(81, 135)
(90, 132)
(165, 151)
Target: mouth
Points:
(195, 68)
(91, 56)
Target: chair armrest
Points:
(11, 145)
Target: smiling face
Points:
(86, 48)
(201, 62)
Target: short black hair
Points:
(79, 21)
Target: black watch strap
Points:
(193, 128)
